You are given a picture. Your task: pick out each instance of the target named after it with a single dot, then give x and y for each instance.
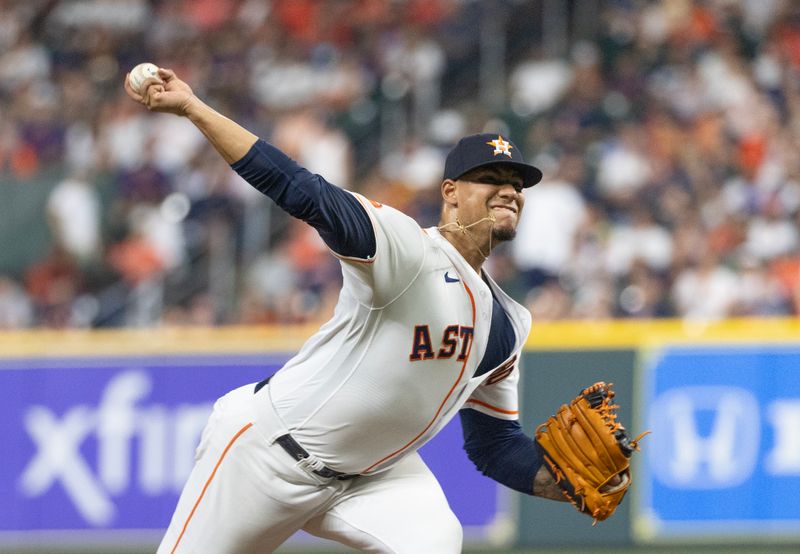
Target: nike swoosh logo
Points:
(448, 279)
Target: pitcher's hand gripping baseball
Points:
(588, 451)
(162, 92)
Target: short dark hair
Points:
(473, 174)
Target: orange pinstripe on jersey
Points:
(203, 492)
(444, 401)
(494, 408)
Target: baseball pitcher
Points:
(420, 334)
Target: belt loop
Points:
(308, 462)
(312, 464)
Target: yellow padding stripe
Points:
(129, 342)
(556, 335)
(647, 333)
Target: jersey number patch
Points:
(454, 338)
(502, 371)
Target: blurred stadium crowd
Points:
(668, 132)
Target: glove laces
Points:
(599, 396)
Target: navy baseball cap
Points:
(486, 149)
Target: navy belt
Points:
(293, 448)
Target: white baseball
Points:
(140, 73)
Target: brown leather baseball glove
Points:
(588, 451)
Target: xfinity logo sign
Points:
(97, 449)
(97, 452)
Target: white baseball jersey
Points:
(395, 363)
(397, 360)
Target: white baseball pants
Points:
(246, 495)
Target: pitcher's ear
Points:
(449, 192)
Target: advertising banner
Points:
(100, 447)
(724, 456)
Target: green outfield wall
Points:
(550, 378)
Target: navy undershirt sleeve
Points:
(500, 450)
(337, 215)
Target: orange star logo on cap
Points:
(501, 146)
